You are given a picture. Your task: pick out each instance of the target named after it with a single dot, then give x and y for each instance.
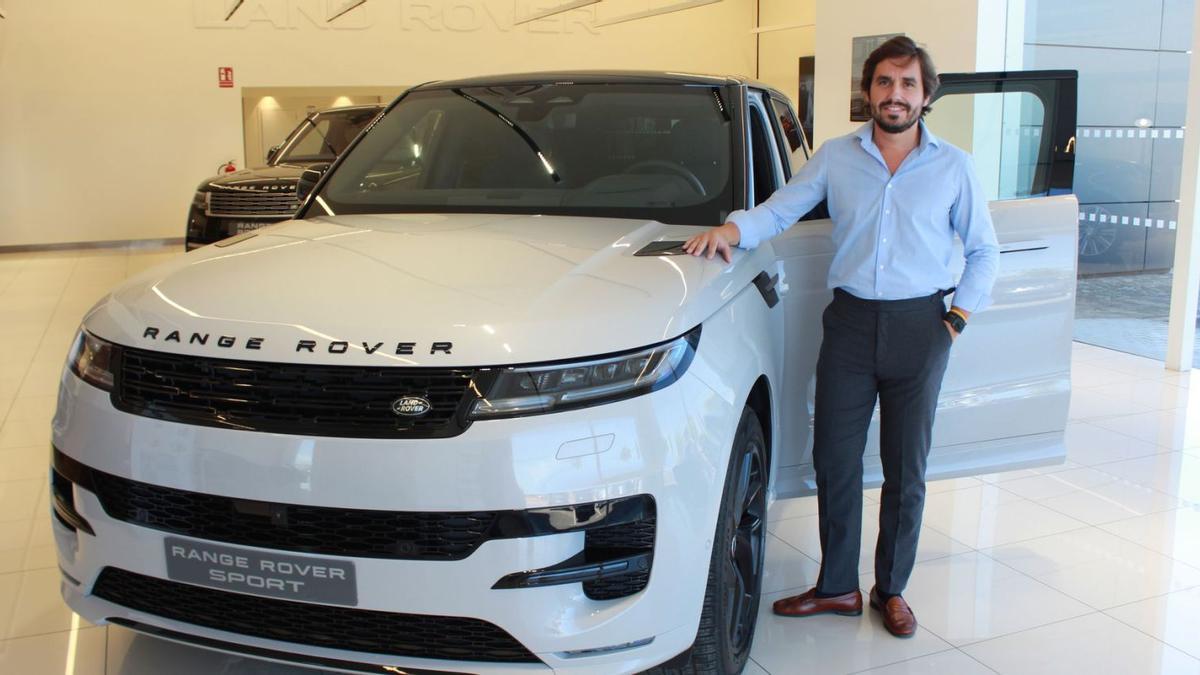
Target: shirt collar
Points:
(927, 137)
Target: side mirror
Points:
(272, 153)
(308, 180)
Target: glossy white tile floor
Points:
(1090, 566)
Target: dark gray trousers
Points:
(895, 351)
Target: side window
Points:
(787, 125)
(1013, 129)
(790, 139)
(781, 148)
(763, 160)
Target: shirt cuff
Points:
(749, 237)
(971, 299)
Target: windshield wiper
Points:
(324, 140)
(520, 132)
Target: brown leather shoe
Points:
(897, 616)
(808, 604)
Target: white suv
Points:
(472, 411)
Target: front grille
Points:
(361, 533)
(252, 203)
(409, 635)
(615, 541)
(616, 587)
(411, 535)
(290, 398)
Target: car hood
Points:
(285, 174)
(500, 289)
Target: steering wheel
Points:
(677, 169)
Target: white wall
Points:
(110, 112)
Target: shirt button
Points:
(887, 212)
(881, 267)
(885, 240)
(889, 186)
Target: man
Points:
(897, 195)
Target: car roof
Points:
(589, 77)
(352, 108)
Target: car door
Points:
(1007, 389)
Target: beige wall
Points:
(780, 50)
(110, 112)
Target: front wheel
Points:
(731, 597)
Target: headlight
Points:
(200, 201)
(550, 388)
(92, 360)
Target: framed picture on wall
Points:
(804, 100)
(861, 48)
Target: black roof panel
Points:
(585, 77)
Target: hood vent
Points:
(662, 248)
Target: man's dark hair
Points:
(904, 49)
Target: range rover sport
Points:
(472, 411)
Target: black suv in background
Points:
(245, 200)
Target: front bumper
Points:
(671, 445)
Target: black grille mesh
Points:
(318, 400)
(409, 535)
(629, 538)
(411, 635)
(251, 203)
(616, 587)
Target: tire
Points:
(731, 595)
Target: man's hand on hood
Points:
(720, 240)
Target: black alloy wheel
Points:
(747, 547)
(731, 597)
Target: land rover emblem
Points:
(411, 406)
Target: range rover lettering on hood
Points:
(310, 346)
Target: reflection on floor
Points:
(1126, 312)
(1089, 566)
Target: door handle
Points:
(1023, 246)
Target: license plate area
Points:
(243, 226)
(326, 581)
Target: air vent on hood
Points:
(235, 239)
(662, 248)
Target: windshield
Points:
(659, 152)
(322, 137)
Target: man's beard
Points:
(903, 125)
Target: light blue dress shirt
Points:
(894, 234)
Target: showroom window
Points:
(1133, 73)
